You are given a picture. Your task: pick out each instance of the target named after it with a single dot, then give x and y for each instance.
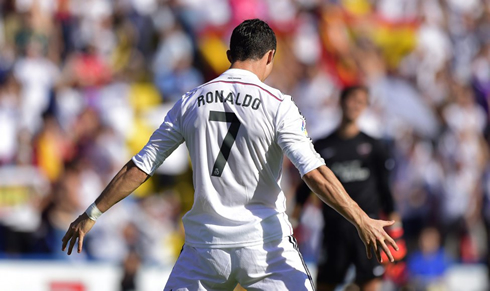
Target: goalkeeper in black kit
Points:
(363, 165)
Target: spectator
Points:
(428, 265)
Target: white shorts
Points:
(276, 265)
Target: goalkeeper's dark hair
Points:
(347, 91)
(251, 40)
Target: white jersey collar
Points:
(240, 72)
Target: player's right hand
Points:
(375, 237)
(77, 230)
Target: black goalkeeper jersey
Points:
(363, 165)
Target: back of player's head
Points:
(349, 90)
(251, 40)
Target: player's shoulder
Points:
(191, 94)
(275, 93)
(252, 83)
(195, 91)
(250, 80)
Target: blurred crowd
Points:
(83, 83)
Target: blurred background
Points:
(83, 83)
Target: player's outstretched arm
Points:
(323, 182)
(124, 183)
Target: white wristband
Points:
(93, 212)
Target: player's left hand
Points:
(77, 230)
(375, 237)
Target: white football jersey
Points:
(236, 129)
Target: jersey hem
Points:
(235, 245)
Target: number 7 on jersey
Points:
(228, 141)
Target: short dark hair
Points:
(252, 39)
(347, 91)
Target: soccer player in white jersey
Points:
(237, 130)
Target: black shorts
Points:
(342, 247)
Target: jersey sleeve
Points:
(162, 142)
(293, 138)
